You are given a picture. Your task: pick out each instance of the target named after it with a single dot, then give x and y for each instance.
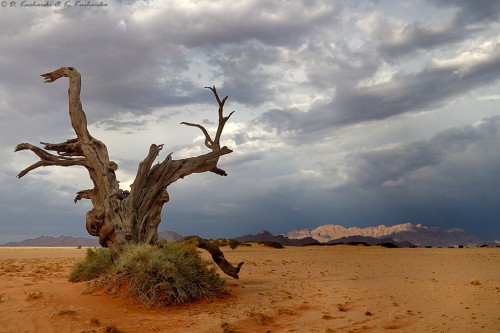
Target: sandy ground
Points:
(296, 289)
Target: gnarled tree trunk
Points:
(121, 217)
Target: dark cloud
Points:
(446, 181)
(404, 93)
(417, 37)
(243, 68)
(128, 126)
(458, 20)
(472, 11)
(409, 92)
(37, 206)
(313, 83)
(214, 25)
(138, 61)
(388, 167)
(329, 66)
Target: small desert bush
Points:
(111, 328)
(475, 282)
(35, 294)
(261, 318)
(226, 328)
(220, 242)
(172, 274)
(275, 245)
(95, 322)
(233, 244)
(388, 245)
(95, 264)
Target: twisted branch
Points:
(46, 158)
(71, 147)
(217, 255)
(215, 143)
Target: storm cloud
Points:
(355, 113)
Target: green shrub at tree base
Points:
(95, 264)
(175, 273)
(172, 273)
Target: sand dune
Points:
(296, 289)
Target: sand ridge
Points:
(296, 289)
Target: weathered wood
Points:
(217, 255)
(121, 217)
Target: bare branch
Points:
(53, 76)
(222, 119)
(46, 158)
(219, 171)
(143, 171)
(210, 143)
(217, 255)
(76, 114)
(216, 94)
(84, 194)
(199, 164)
(222, 123)
(71, 147)
(208, 140)
(28, 169)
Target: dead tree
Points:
(120, 217)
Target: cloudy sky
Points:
(356, 113)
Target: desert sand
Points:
(296, 289)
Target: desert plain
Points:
(295, 289)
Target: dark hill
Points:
(68, 241)
(43, 241)
(386, 242)
(266, 236)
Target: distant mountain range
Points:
(169, 235)
(365, 240)
(417, 234)
(44, 241)
(265, 236)
(57, 241)
(401, 235)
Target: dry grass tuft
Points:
(66, 312)
(172, 274)
(261, 318)
(35, 294)
(475, 282)
(10, 266)
(286, 311)
(111, 328)
(226, 328)
(342, 307)
(95, 264)
(392, 326)
(95, 322)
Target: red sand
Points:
(296, 289)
